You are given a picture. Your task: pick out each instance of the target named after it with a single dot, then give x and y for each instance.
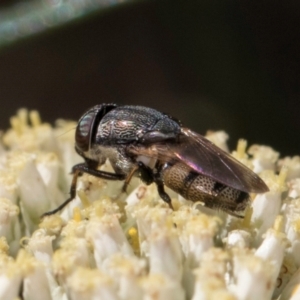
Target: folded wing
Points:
(205, 158)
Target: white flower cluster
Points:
(112, 246)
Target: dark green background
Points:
(230, 65)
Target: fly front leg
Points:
(85, 168)
(76, 173)
(78, 170)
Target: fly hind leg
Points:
(160, 186)
(148, 176)
(163, 195)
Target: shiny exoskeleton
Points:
(141, 141)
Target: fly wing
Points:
(205, 158)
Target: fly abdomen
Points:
(197, 187)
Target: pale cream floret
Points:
(127, 246)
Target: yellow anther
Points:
(76, 214)
(241, 148)
(83, 198)
(3, 245)
(22, 115)
(282, 176)
(296, 225)
(35, 118)
(16, 125)
(134, 239)
(278, 224)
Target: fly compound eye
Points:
(87, 126)
(84, 130)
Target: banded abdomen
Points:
(197, 187)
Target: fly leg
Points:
(128, 179)
(88, 167)
(163, 195)
(146, 175)
(160, 186)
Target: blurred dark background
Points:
(231, 65)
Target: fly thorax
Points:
(117, 130)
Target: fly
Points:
(141, 141)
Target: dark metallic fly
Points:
(141, 141)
